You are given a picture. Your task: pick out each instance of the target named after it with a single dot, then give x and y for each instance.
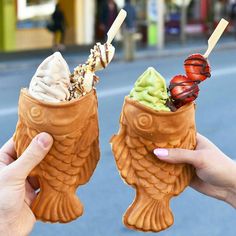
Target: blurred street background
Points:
(27, 24)
(166, 32)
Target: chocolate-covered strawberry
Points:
(183, 90)
(197, 67)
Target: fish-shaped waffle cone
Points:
(156, 182)
(72, 158)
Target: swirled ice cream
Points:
(150, 90)
(52, 79)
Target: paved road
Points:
(106, 197)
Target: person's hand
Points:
(215, 172)
(16, 191)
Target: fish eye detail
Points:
(143, 121)
(35, 112)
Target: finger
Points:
(5, 160)
(197, 184)
(30, 194)
(204, 143)
(33, 182)
(178, 155)
(35, 152)
(9, 148)
(208, 189)
(7, 153)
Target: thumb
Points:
(178, 155)
(35, 152)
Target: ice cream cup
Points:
(72, 158)
(143, 129)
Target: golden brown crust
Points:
(156, 182)
(72, 158)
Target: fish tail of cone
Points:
(148, 214)
(53, 206)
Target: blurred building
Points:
(23, 22)
(28, 20)
(201, 16)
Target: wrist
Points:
(231, 195)
(231, 198)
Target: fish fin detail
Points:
(87, 161)
(183, 179)
(53, 206)
(123, 156)
(148, 214)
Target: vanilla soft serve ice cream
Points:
(51, 80)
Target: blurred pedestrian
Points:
(109, 12)
(218, 11)
(58, 25)
(233, 16)
(129, 31)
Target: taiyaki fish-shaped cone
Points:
(72, 158)
(156, 182)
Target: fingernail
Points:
(161, 152)
(44, 140)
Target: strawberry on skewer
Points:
(197, 67)
(183, 90)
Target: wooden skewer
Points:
(116, 25)
(212, 41)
